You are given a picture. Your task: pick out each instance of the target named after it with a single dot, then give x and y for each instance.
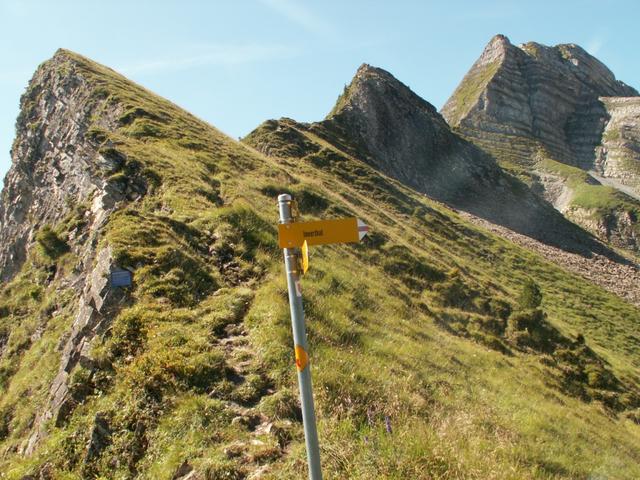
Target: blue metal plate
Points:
(121, 278)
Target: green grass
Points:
(603, 198)
(467, 93)
(341, 102)
(51, 244)
(415, 325)
(572, 175)
(601, 203)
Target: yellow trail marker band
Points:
(304, 250)
(302, 359)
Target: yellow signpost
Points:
(322, 232)
(295, 238)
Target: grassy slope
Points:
(385, 341)
(468, 92)
(600, 200)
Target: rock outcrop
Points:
(60, 168)
(394, 130)
(515, 100)
(618, 157)
(98, 305)
(523, 103)
(56, 165)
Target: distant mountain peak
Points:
(532, 103)
(535, 91)
(370, 85)
(394, 127)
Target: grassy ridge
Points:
(415, 372)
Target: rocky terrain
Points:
(60, 176)
(444, 345)
(621, 279)
(519, 98)
(618, 158)
(531, 103)
(56, 165)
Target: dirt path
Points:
(267, 441)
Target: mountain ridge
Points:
(532, 107)
(381, 121)
(189, 372)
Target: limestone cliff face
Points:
(618, 157)
(55, 165)
(523, 103)
(515, 100)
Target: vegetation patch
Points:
(466, 95)
(50, 242)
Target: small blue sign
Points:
(121, 278)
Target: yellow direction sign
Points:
(343, 230)
(305, 257)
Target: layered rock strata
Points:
(59, 168)
(618, 158)
(515, 100)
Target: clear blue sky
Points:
(237, 63)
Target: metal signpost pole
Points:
(300, 344)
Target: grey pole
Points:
(300, 344)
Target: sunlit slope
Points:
(425, 360)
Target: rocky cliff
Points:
(56, 164)
(390, 127)
(515, 99)
(60, 177)
(523, 104)
(618, 156)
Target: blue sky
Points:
(237, 63)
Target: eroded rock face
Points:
(97, 306)
(400, 133)
(523, 103)
(380, 120)
(55, 165)
(515, 100)
(616, 225)
(619, 156)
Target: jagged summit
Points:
(516, 99)
(52, 159)
(399, 132)
(371, 83)
(535, 107)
